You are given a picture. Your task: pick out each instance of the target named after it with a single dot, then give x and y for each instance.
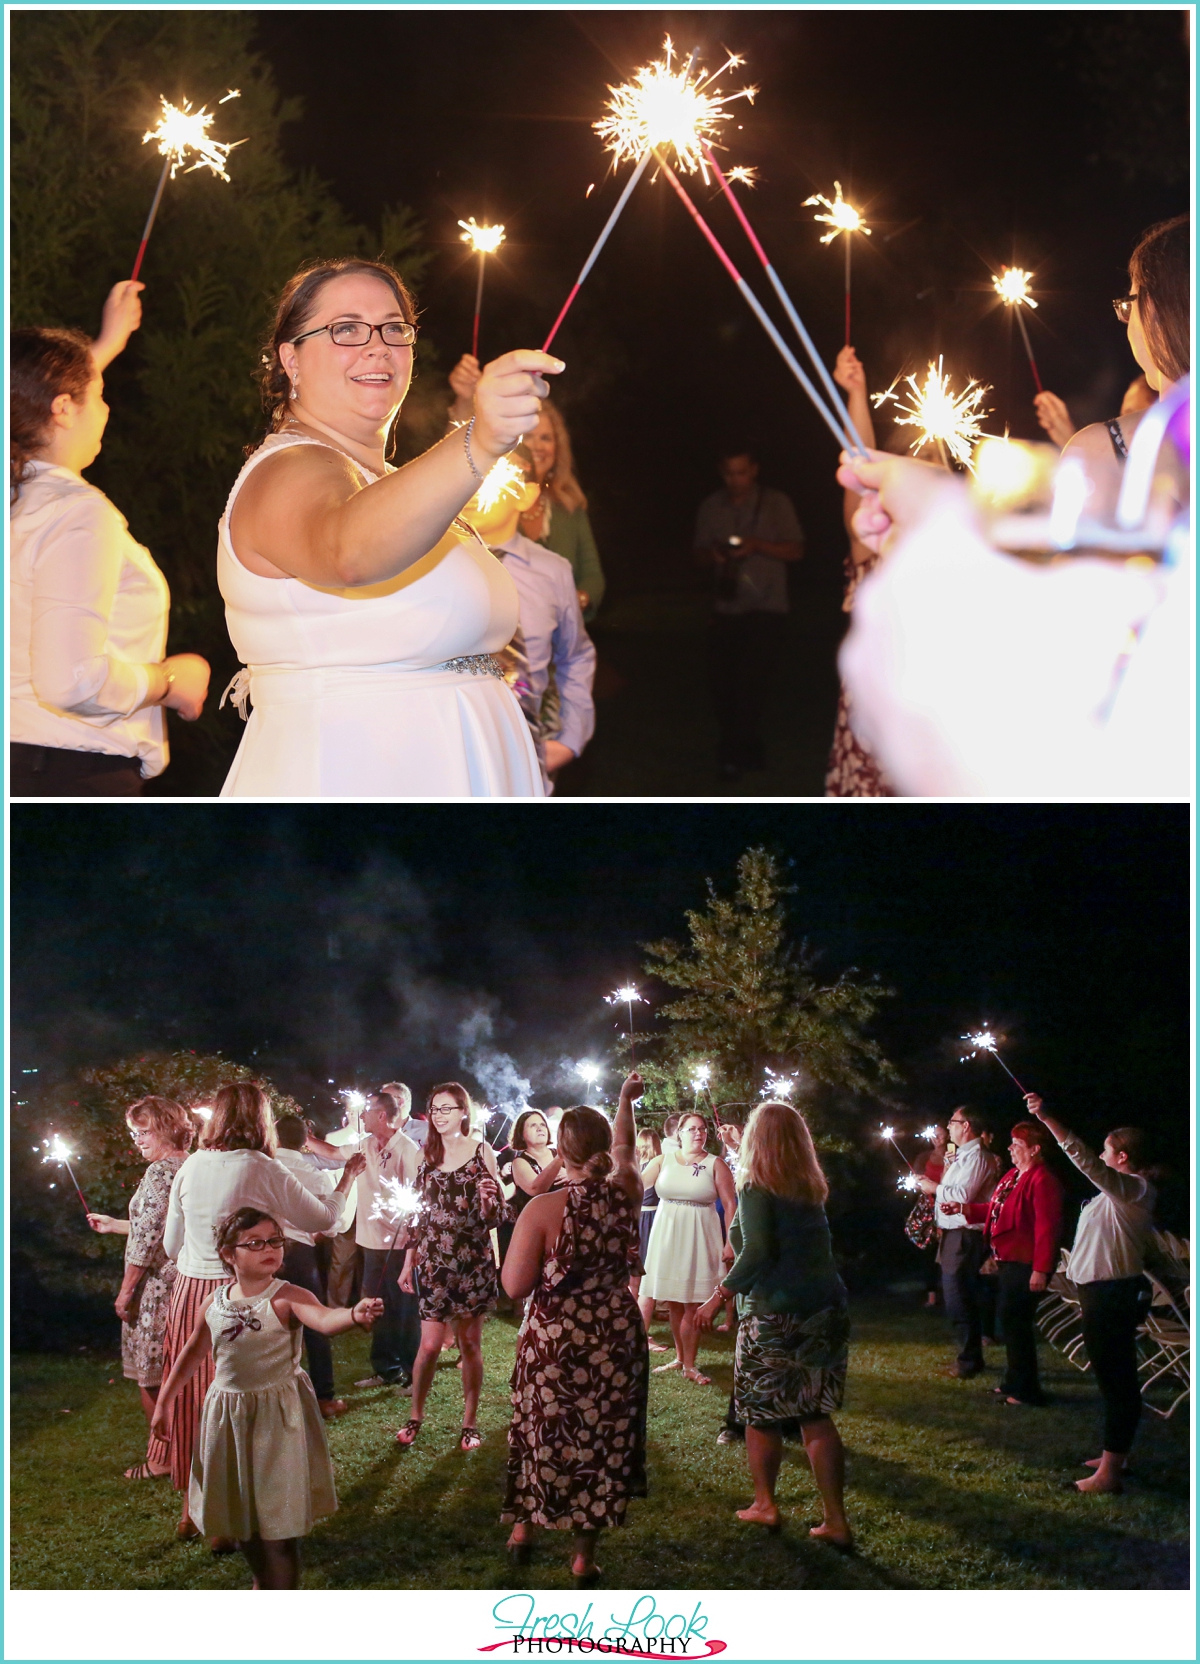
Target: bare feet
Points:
(655, 1345)
(695, 1376)
(1104, 1487)
(838, 1537)
(759, 1514)
(1097, 1461)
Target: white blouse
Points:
(88, 615)
(212, 1184)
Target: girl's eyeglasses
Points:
(258, 1244)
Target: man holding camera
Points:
(746, 534)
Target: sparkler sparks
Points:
(930, 1133)
(842, 216)
(951, 421)
(668, 107)
(701, 1076)
(58, 1151)
(743, 176)
(984, 1041)
(907, 1181)
(483, 239)
(778, 1086)
(182, 131)
(503, 480)
(589, 1072)
(628, 995)
(1013, 287)
(396, 1202)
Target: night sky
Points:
(352, 941)
(1046, 139)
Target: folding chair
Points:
(1166, 1345)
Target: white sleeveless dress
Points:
(683, 1260)
(382, 691)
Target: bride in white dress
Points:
(365, 616)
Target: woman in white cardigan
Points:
(234, 1167)
(88, 620)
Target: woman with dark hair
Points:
(163, 1131)
(577, 1443)
(535, 1166)
(234, 1167)
(1022, 1226)
(88, 622)
(1106, 1264)
(450, 1251)
(366, 615)
(789, 1372)
(1157, 314)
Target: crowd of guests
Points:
(587, 1227)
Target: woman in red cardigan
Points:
(1023, 1225)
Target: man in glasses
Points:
(969, 1177)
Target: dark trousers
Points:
(396, 1338)
(962, 1255)
(53, 771)
(1112, 1310)
(1017, 1304)
(300, 1267)
(744, 656)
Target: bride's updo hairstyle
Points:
(584, 1140)
(296, 307)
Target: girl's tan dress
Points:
(261, 1464)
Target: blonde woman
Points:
(789, 1370)
(559, 518)
(234, 1167)
(163, 1132)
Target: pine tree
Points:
(753, 1001)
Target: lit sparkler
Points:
(848, 434)
(57, 1151)
(907, 1181)
(662, 106)
(627, 996)
(483, 240)
(985, 1041)
(589, 1073)
(396, 1204)
(503, 479)
(930, 1133)
(777, 1086)
(843, 219)
(182, 133)
(951, 421)
(701, 1075)
(1013, 288)
(743, 176)
(889, 1133)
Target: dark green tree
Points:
(752, 1000)
(84, 88)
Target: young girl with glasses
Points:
(261, 1473)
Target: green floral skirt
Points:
(788, 1370)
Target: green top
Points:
(784, 1256)
(570, 536)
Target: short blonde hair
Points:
(176, 1124)
(778, 1156)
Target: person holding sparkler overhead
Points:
(1106, 1264)
(970, 1177)
(450, 1253)
(88, 680)
(366, 615)
(577, 1447)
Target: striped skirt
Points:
(187, 1296)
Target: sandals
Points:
(696, 1378)
(408, 1433)
(471, 1439)
(656, 1346)
(144, 1471)
(660, 1369)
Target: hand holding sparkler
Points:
(508, 401)
(898, 493)
(121, 316)
(366, 1314)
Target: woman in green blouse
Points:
(789, 1370)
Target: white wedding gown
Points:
(382, 691)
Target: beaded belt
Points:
(240, 689)
(474, 664)
(686, 1202)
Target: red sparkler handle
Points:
(162, 180)
(478, 308)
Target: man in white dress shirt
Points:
(970, 1177)
(390, 1154)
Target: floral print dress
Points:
(852, 770)
(577, 1444)
(456, 1269)
(142, 1340)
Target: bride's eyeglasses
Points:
(356, 332)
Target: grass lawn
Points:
(946, 1488)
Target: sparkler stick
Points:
(58, 1152)
(831, 386)
(985, 1041)
(661, 105)
(177, 133)
(1013, 288)
(398, 1202)
(484, 240)
(844, 439)
(890, 1134)
(627, 996)
(845, 220)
